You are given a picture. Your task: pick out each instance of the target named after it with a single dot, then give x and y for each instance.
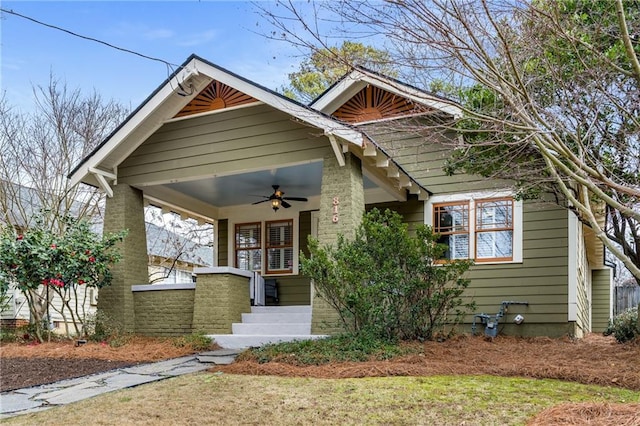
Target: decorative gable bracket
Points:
(102, 176)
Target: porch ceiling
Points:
(302, 180)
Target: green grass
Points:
(210, 398)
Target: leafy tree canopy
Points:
(326, 66)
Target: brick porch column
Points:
(125, 210)
(341, 210)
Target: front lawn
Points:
(217, 398)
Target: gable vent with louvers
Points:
(215, 96)
(373, 103)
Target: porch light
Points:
(275, 204)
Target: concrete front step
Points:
(302, 309)
(257, 329)
(239, 341)
(277, 318)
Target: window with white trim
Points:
(486, 227)
(494, 229)
(276, 249)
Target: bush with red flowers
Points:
(43, 264)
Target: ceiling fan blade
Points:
(295, 198)
(285, 204)
(261, 201)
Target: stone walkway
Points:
(38, 398)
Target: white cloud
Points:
(158, 34)
(197, 38)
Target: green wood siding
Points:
(216, 144)
(423, 156)
(223, 239)
(412, 211)
(601, 299)
(304, 225)
(296, 290)
(542, 277)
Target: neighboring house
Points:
(171, 259)
(210, 144)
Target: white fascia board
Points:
(134, 122)
(340, 93)
(302, 113)
(356, 80)
(572, 271)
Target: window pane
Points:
(494, 229)
(280, 259)
(248, 246)
(458, 246)
(279, 246)
(498, 244)
(249, 260)
(452, 218)
(451, 221)
(494, 214)
(248, 235)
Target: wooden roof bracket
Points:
(102, 176)
(337, 149)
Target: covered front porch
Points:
(266, 171)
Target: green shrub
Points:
(340, 348)
(101, 328)
(196, 341)
(389, 284)
(624, 327)
(8, 336)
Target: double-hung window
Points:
(279, 246)
(477, 226)
(248, 246)
(271, 253)
(494, 230)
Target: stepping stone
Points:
(12, 402)
(221, 352)
(186, 369)
(218, 360)
(122, 381)
(158, 367)
(219, 357)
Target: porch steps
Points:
(269, 324)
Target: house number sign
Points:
(335, 202)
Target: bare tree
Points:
(176, 244)
(549, 90)
(39, 148)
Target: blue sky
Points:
(223, 32)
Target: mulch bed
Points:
(25, 372)
(25, 365)
(588, 414)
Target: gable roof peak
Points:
(360, 77)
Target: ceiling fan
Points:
(277, 199)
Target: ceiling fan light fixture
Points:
(275, 204)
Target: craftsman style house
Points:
(268, 172)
